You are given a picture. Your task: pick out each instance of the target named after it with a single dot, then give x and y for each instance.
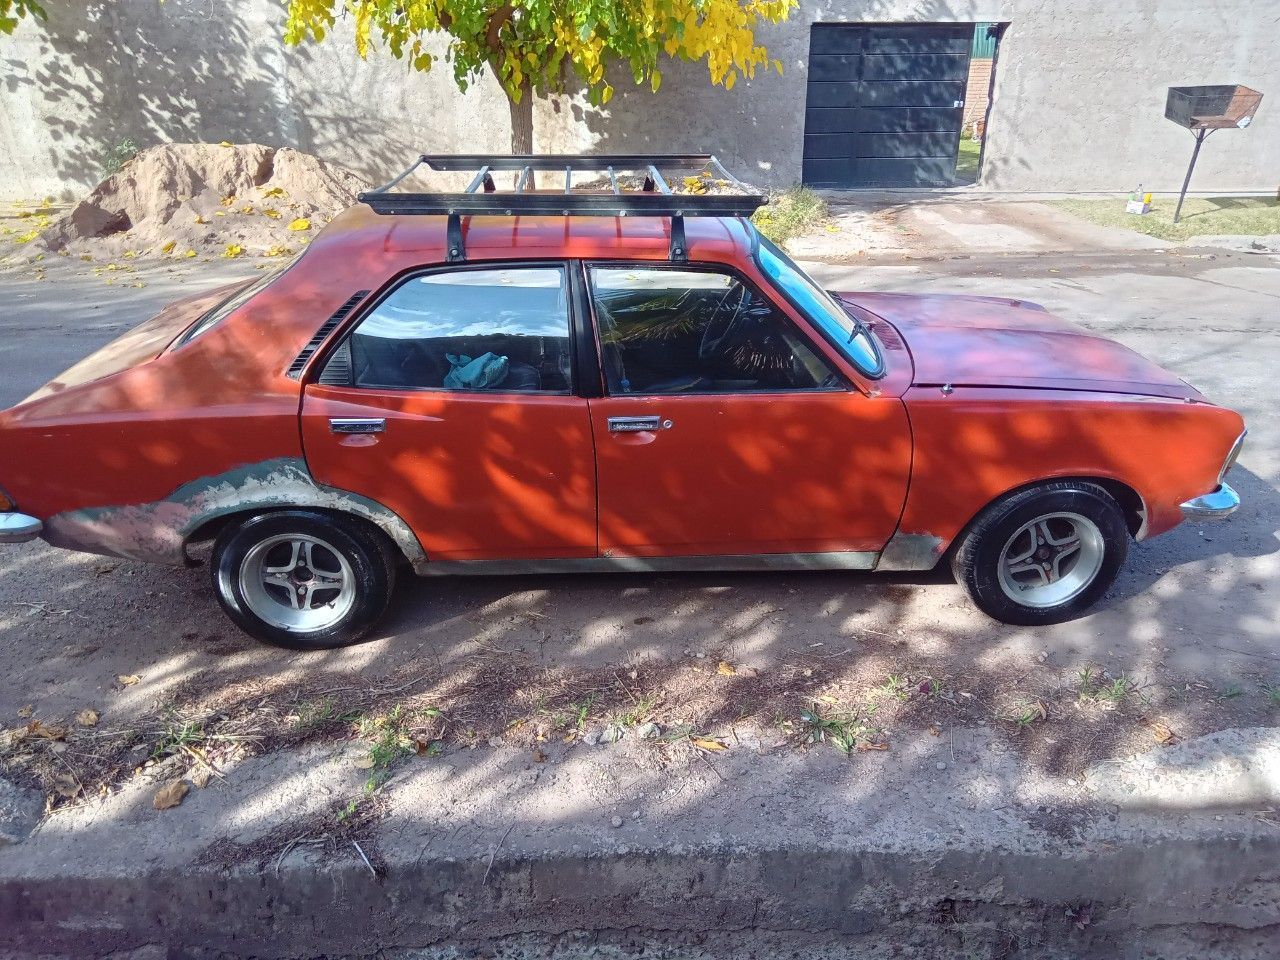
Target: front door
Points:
(451, 403)
(726, 431)
(885, 104)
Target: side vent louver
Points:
(300, 362)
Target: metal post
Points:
(1200, 135)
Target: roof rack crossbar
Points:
(481, 197)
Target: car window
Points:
(846, 334)
(696, 331)
(498, 330)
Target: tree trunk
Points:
(522, 121)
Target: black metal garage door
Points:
(886, 103)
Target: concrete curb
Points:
(810, 852)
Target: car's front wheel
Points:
(1043, 555)
(303, 579)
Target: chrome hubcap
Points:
(297, 582)
(1051, 559)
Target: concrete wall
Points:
(1078, 105)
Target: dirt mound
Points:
(200, 199)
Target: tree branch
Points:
(496, 23)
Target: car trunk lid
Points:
(144, 342)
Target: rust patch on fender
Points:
(158, 532)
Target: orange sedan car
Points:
(601, 379)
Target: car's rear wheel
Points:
(1043, 555)
(303, 579)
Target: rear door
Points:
(885, 104)
(725, 431)
(451, 403)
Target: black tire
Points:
(979, 561)
(344, 549)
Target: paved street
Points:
(1199, 603)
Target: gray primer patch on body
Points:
(911, 551)
(157, 532)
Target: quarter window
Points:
(494, 330)
(691, 331)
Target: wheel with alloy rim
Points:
(303, 579)
(1043, 555)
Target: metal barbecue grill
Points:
(1202, 110)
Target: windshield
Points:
(232, 304)
(847, 333)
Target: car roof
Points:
(360, 230)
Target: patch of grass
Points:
(1231, 692)
(639, 712)
(315, 714)
(844, 730)
(1201, 216)
(1023, 712)
(1272, 692)
(790, 213)
(1096, 687)
(896, 686)
(393, 741)
(967, 159)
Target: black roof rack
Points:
(655, 198)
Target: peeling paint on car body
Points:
(159, 531)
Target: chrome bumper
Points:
(1216, 505)
(18, 528)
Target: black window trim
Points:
(710, 266)
(371, 304)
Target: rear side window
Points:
(666, 331)
(498, 330)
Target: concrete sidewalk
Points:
(940, 848)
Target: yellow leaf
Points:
(129, 679)
(271, 212)
(247, 208)
(233, 250)
(228, 200)
(302, 223)
(704, 743)
(655, 81)
(274, 192)
(725, 668)
(225, 143)
(730, 80)
(200, 219)
(170, 795)
(168, 247)
(87, 718)
(189, 254)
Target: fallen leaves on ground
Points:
(26, 711)
(706, 743)
(233, 250)
(301, 223)
(170, 795)
(87, 717)
(725, 668)
(128, 679)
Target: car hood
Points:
(994, 342)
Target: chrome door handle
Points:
(637, 424)
(357, 425)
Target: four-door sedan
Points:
(482, 383)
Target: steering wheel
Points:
(724, 319)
